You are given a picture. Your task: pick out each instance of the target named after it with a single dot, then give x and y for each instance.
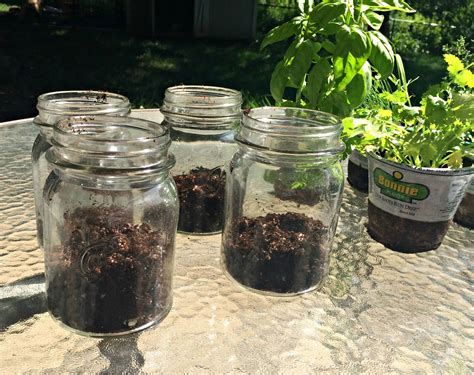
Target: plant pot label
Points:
(358, 159)
(410, 194)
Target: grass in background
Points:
(6, 4)
(429, 69)
(38, 59)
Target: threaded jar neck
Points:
(109, 144)
(202, 107)
(291, 131)
(56, 105)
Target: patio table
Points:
(379, 311)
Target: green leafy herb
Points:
(440, 134)
(335, 49)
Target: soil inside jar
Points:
(282, 253)
(301, 196)
(109, 276)
(465, 213)
(405, 235)
(201, 200)
(285, 183)
(358, 177)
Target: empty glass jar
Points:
(111, 213)
(202, 121)
(283, 195)
(54, 106)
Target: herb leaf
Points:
(381, 56)
(374, 20)
(316, 79)
(279, 33)
(323, 13)
(359, 86)
(278, 81)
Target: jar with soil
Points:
(52, 107)
(410, 209)
(111, 213)
(201, 121)
(270, 243)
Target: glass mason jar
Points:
(202, 121)
(52, 107)
(111, 212)
(283, 195)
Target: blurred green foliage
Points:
(435, 24)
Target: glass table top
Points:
(378, 311)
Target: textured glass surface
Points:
(378, 312)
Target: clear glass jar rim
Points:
(202, 107)
(295, 120)
(81, 100)
(194, 96)
(110, 142)
(291, 130)
(99, 129)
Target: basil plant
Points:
(336, 49)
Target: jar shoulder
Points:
(60, 189)
(40, 146)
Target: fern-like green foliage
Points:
(438, 134)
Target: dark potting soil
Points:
(465, 213)
(201, 200)
(283, 253)
(358, 177)
(108, 276)
(405, 235)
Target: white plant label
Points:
(415, 196)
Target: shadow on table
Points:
(21, 300)
(123, 354)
